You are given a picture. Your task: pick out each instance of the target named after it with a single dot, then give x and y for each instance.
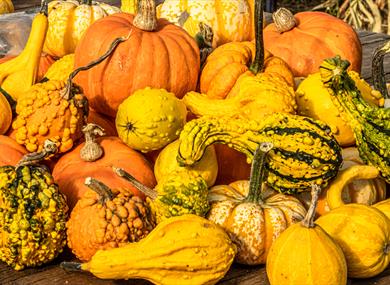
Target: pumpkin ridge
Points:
(167, 81)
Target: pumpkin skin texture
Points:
(384, 207)
(68, 21)
(165, 58)
(316, 37)
(11, 152)
(5, 114)
(115, 153)
(6, 6)
(363, 232)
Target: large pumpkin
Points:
(10, 151)
(71, 171)
(157, 54)
(305, 39)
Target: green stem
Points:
(258, 173)
(258, 63)
(378, 73)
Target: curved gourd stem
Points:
(378, 73)
(335, 190)
(67, 91)
(49, 148)
(258, 173)
(44, 8)
(151, 193)
(258, 63)
(308, 221)
(91, 150)
(100, 188)
(146, 18)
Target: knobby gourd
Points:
(305, 254)
(184, 250)
(253, 216)
(305, 151)
(179, 193)
(33, 212)
(370, 124)
(61, 69)
(106, 218)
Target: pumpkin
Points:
(71, 170)
(18, 74)
(305, 39)
(157, 54)
(6, 6)
(305, 254)
(106, 218)
(5, 114)
(33, 212)
(233, 65)
(68, 21)
(166, 163)
(202, 253)
(107, 123)
(10, 151)
(150, 119)
(354, 190)
(253, 218)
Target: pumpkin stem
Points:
(258, 63)
(258, 172)
(378, 73)
(44, 8)
(100, 188)
(204, 39)
(71, 266)
(66, 93)
(284, 20)
(146, 18)
(308, 221)
(151, 193)
(91, 150)
(49, 148)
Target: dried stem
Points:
(91, 151)
(100, 188)
(146, 18)
(308, 221)
(49, 148)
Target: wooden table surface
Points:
(238, 274)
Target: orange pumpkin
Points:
(10, 151)
(305, 39)
(71, 171)
(107, 123)
(157, 54)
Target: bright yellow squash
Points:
(5, 114)
(183, 250)
(305, 254)
(6, 6)
(384, 207)
(129, 6)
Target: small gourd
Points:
(305, 254)
(106, 218)
(179, 193)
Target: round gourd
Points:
(6, 6)
(10, 151)
(305, 254)
(305, 39)
(157, 54)
(5, 114)
(68, 21)
(150, 119)
(166, 163)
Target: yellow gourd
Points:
(129, 6)
(19, 74)
(5, 114)
(185, 250)
(384, 207)
(6, 6)
(61, 69)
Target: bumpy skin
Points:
(305, 151)
(181, 193)
(370, 124)
(32, 217)
(61, 69)
(44, 114)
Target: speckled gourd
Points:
(33, 212)
(183, 250)
(305, 152)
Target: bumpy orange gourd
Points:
(10, 151)
(251, 216)
(157, 54)
(106, 218)
(305, 39)
(229, 66)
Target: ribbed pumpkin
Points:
(251, 217)
(10, 151)
(305, 39)
(305, 254)
(6, 6)
(157, 54)
(234, 64)
(68, 21)
(71, 170)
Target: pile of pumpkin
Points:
(107, 147)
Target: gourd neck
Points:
(308, 221)
(104, 192)
(378, 73)
(151, 193)
(284, 20)
(255, 194)
(91, 151)
(146, 17)
(49, 148)
(258, 63)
